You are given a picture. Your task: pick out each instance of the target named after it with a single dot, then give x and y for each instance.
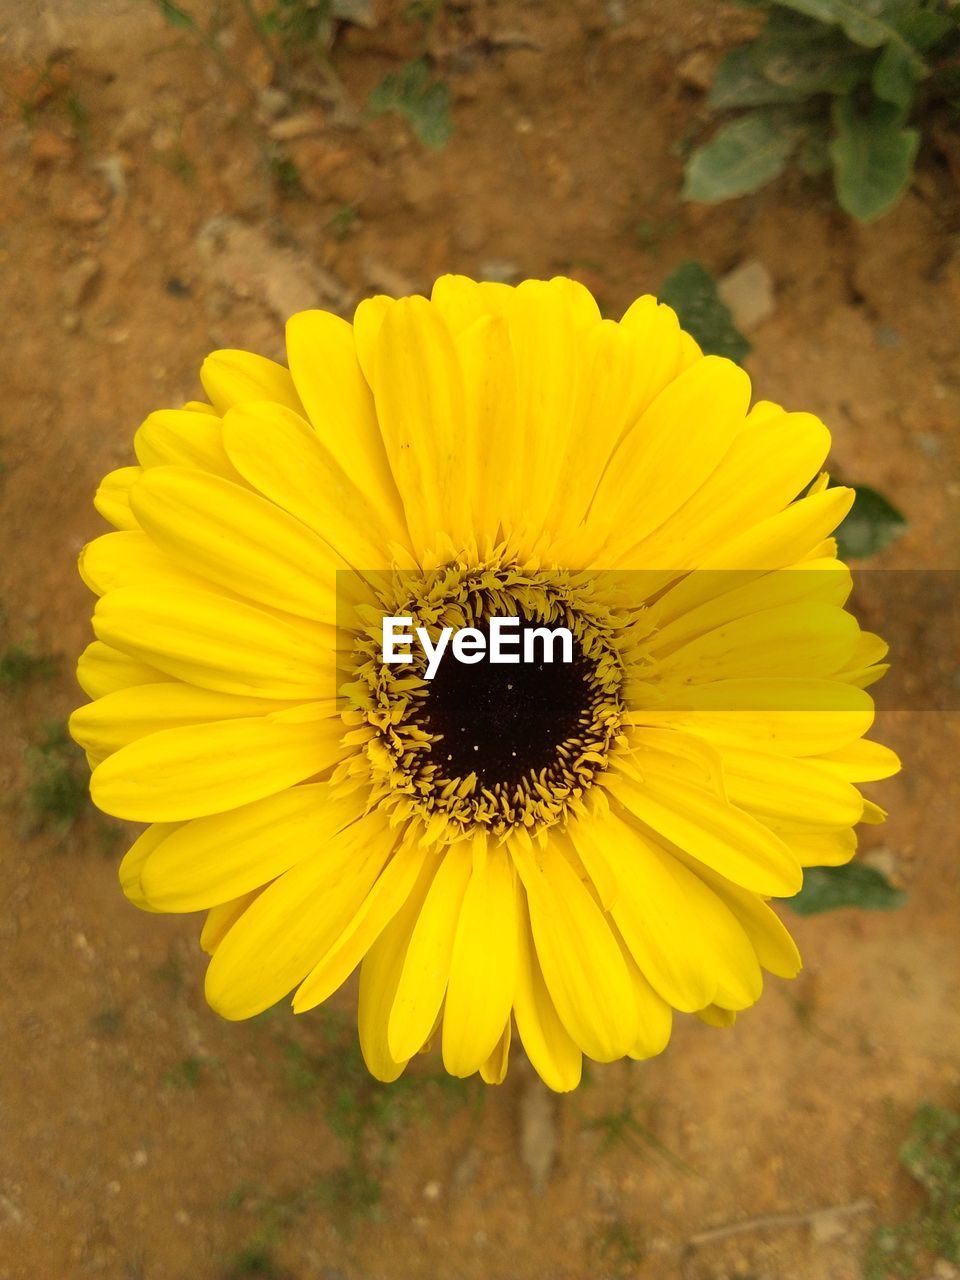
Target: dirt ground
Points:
(154, 206)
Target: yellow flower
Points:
(574, 849)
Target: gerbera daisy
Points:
(571, 849)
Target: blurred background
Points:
(180, 177)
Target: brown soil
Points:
(140, 1136)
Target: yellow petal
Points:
(367, 322)
(787, 790)
(862, 761)
(380, 976)
(339, 404)
(684, 940)
(792, 716)
(131, 559)
(280, 936)
(625, 366)
(495, 488)
(426, 964)
(180, 438)
(671, 450)
(112, 498)
(765, 467)
(122, 717)
(233, 377)
(419, 394)
(134, 860)
(283, 457)
(494, 1070)
(102, 670)
(713, 831)
(186, 773)
(549, 1046)
(829, 583)
(217, 643)
(775, 948)
(814, 848)
(588, 983)
(656, 1015)
(221, 919)
(238, 540)
(483, 966)
(382, 903)
(217, 858)
(794, 640)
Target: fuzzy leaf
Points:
(740, 82)
(872, 524)
(872, 157)
(852, 885)
(894, 77)
(692, 292)
(425, 103)
(867, 22)
(741, 157)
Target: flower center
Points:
(501, 720)
(487, 744)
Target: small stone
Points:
(273, 102)
(882, 859)
(944, 1270)
(431, 1191)
(84, 210)
(748, 292)
(498, 271)
(299, 126)
(697, 70)
(79, 281)
(929, 444)
(49, 148)
(139, 1158)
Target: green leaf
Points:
(894, 78)
(425, 103)
(819, 66)
(872, 156)
(923, 28)
(175, 16)
(740, 82)
(853, 885)
(741, 157)
(871, 526)
(692, 292)
(867, 22)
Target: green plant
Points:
(57, 792)
(852, 885)
(18, 665)
(189, 1073)
(343, 221)
(931, 1155)
(424, 102)
(619, 1249)
(831, 84)
(624, 1128)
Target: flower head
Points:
(574, 849)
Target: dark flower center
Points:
(504, 720)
